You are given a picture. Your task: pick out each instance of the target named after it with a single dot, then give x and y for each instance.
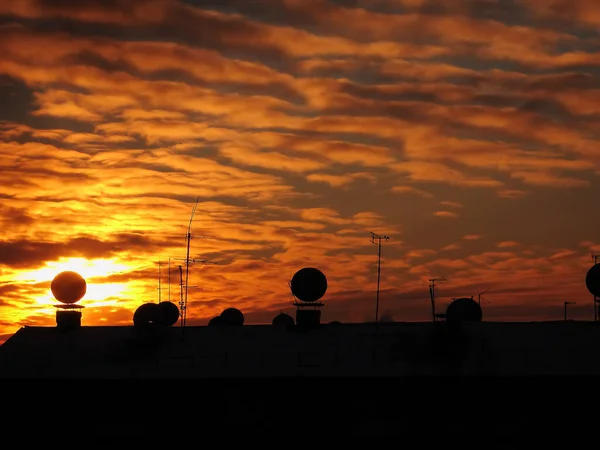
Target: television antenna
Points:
(187, 262)
(432, 285)
(376, 239)
(159, 288)
(481, 297)
(182, 304)
(185, 286)
(195, 260)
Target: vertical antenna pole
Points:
(181, 304)
(159, 289)
(432, 296)
(378, 243)
(169, 278)
(187, 261)
(378, 280)
(187, 273)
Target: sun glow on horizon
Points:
(99, 294)
(84, 267)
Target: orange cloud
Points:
(507, 244)
(449, 214)
(298, 129)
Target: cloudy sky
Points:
(465, 130)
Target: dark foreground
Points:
(489, 412)
(342, 351)
(489, 384)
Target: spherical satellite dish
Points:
(168, 313)
(68, 287)
(592, 280)
(283, 320)
(215, 321)
(146, 314)
(232, 316)
(309, 284)
(464, 310)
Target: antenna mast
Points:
(181, 303)
(480, 296)
(159, 288)
(375, 237)
(187, 263)
(567, 303)
(432, 294)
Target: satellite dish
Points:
(464, 310)
(283, 320)
(167, 313)
(232, 316)
(146, 314)
(335, 322)
(215, 321)
(309, 284)
(592, 280)
(68, 287)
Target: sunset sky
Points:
(465, 130)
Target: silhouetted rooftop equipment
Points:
(464, 310)
(145, 315)
(283, 320)
(432, 286)
(68, 316)
(215, 321)
(68, 288)
(168, 313)
(163, 314)
(308, 285)
(335, 323)
(308, 318)
(232, 317)
(592, 280)
(376, 237)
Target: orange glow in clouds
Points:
(302, 126)
(97, 294)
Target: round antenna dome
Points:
(68, 287)
(592, 280)
(215, 321)
(464, 310)
(146, 314)
(283, 320)
(167, 313)
(335, 322)
(309, 284)
(232, 316)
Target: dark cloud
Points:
(27, 253)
